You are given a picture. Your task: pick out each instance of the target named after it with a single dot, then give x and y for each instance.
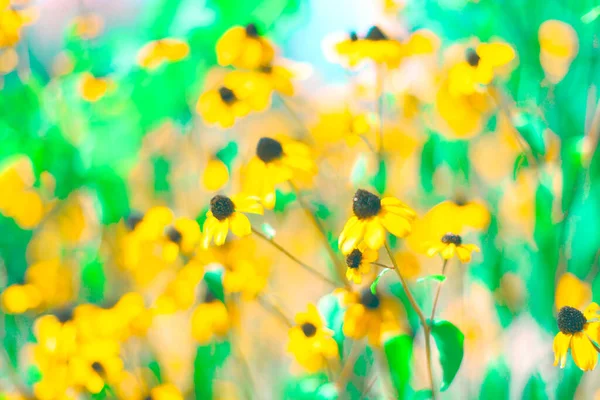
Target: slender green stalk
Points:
(437, 293)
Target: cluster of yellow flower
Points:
(12, 21)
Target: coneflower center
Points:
(354, 259)
(133, 219)
(353, 36)
(174, 235)
(309, 329)
(472, 57)
(269, 149)
(267, 69)
(451, 238)
(365, 204)
(375, 34)
(368, 299)
(221, 207)
(570, 320)
(98, 368)
(251, 30)
(227, 95)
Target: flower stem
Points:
(339, 268)
(355, 352)
(437, 293)
(415, 306)
(379, 105)
(275, 311)
(382, 265)
(293, 258)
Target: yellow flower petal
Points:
(448, 251)
(240, 224)
(572, 292)
(495, 54)
(221, 230)
(374, 234)
(583, 352)
(395, 224)
(561, 347)
(215, 175)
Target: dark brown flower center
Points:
(353, 36)
(365, 204)
(227, 95)
(451, 238)
(472, 57)
(133, 219)
(267, 69)
(174, 235)
(309, 329)
(368, 299)
(251, 31)
(64, 314)
(209, 296)
(98, 368)
(222, 207)
(269, 149)
(375, 34)
(354, 259)
(570, 320)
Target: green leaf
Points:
(93, 281)
(398, 352)
(379, 181)
(228, 154)
(591, 16)
(322, 211)
(359, 171)
(521, 162)
(214, 283)
(433, 277)
(282, 200)
(328, 391)
(208, 359)
(531, 129)
(376, 281)
(423, 394)
(535, 388)
(496, 384)
(161, 167)
(112, 194)
(450, 343)
(333, 313)
(154, 367)
(268, 230)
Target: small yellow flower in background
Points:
(276, 162)
(182, 237)
(9, 59)
(358, 263)
(247, 276)
(559, 45)
(222, 106)
(166, 391)
(578, 331)
(17, 299)
(378, 47)
(278, 77)
(216, 175)
(132, 315)
(162, 51)
(180, 293)
(370, 315)
(96, 364)
(12, 21)
(251, 86)
(243, 47)
(88, 26)
(344, 124)
(210, 319)
(479, 67)
(571, 291)
(226, 213)
(451, 245)
(349, 49)
(311, 343)
(373, 217)
(92, 88)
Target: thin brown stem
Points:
(275, 311)
(382, 265)
(344, 377)
(369, 145)
(415, 306)
(437, 292)
(339, 268)
(293, 258)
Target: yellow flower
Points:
(479, 67)
(378, 47)
(158, 52)
(182, 237)
(374, 216)
(166, 391)
(343, 125)
(243, 47)
(92, 88)
(276, 162)
(226, 213)
(17, 299)
(559, 45)
(349, 49)
(180, 293)
(88, 26)
(8, 60)
(311, 342)
(132, 315)
(578, 331)
(222, 106)
(359, 262)
(278, 77)
(247, 276)
(96, 364)
(451, 245)
(216, 175)
(571, 291)
(371, 315)
(210, 319)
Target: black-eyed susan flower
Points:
(162, 51)
(373, 217)
(344, 124)
(559, 45)
(311, 342)
(93, 88)
(222, 106)
(358, 262)
(210, 319)
(450, 245)
(378, 47)
(88, 26)
(278, 77)
(166, 391)
(348, 49)
(370, 314)
(182, 236)
(244, 47)
(227, 213)
(247, 275)
(97, 363)
(276, 161)
(578, 332)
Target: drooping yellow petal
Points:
(247, 204)
(215, 175)
(221, 230)
(395, 224)
(230, 45)
(558, 39)
(495, 54)
(570, 291)
(561, 347)
(448, 251)
(583, 352)
(592, 312)
(464, 255)
(240, 224)
(374, 234)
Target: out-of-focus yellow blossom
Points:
(517, 205)
(12, 21)
(348, 49)
(276, 161)
(248, 276)
(180, 293)
(96, 363)
(577, 331)
(570, 291)
(478, 68)
(371, 315)
(132, 315)
(162, 51)
(378, 47)
(451, 245)
(243, 47)
(373, 217)
(358, 263)
(92, 88)
(182, 237)
(88, 26)
(334, 126)
(166, 391)
(216, 175)
(422, 42)
(222, 106)
(278, 77)
(17, 299)
(9, 59)
(227, 213)
(409, 264)
(446, 217)
(559, 45)
(251, 86)
(210, 319)
(311, 342)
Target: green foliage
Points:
(398, 352)
(330, 308)
(379, 180)
(93, 281)
(450, 343)
(214, 283)
(434, 277)
(496, 383)
(208, 359)
(535, 388)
